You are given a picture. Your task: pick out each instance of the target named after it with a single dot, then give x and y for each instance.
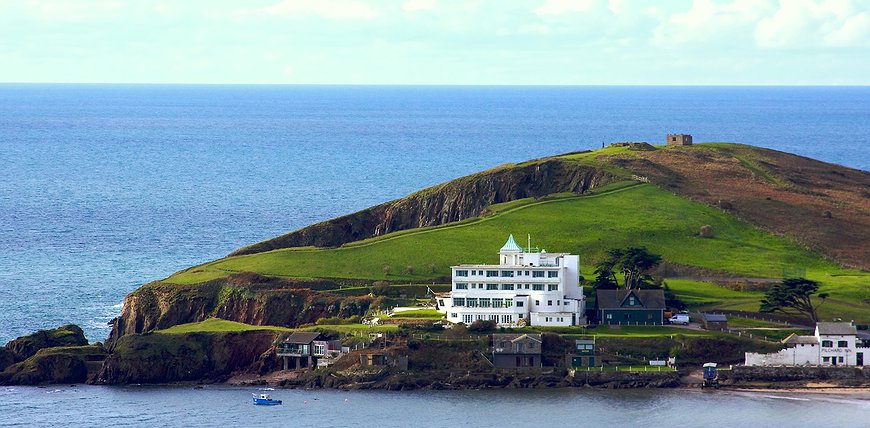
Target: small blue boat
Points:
(265, 400)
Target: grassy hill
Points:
(594, 201)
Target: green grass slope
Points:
(621, 215)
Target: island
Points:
(554, 272)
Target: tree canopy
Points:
(633, 262)
(793, 295)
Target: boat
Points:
(265, 400)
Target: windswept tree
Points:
(793, 295)
(633, 262)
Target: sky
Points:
(466, 42)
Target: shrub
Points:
(433, 267)
(707, 231)
(482, 326)
(409, 270)
(387, 270)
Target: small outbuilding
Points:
(714, 321)
(513, 351)
(679, 140)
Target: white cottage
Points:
(834, 344)
(525, 288)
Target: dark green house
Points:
(630, 307)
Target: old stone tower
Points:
(679, 140)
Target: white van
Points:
(679, 319)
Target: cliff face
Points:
(448, 202)
(67, 364)
(162, 358)
(248, 298)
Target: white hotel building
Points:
(525, 288)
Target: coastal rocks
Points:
(448, 202)
(244, 297)
(68, 364)
(164, 358)
(795, 376)
(25, 347)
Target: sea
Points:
(106, 187)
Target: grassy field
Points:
(218, 326)
(641, 216)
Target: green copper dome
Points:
(511, 246)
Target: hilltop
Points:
(772, 213)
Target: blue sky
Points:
(538, 42)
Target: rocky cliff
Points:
(162, 358)
(244, 297)
(448, 202)
(25, 347)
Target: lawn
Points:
(430, 314)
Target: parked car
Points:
(679, 319)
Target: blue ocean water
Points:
(106, 187)
(83, 405)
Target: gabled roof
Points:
(514, 337)
(511, 246)
(302, 337)
(837, 328)
(612, 299)
(794, 339)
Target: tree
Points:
(793, 295)
(633, 262)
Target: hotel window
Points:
(826, 359)
(507, 273)
(493, 318)
(565, 303)
(558, 302)
(537, 302)
(553, 274)
(839, 359)
(507, 319)
(492, 286)
(497, 303)
(538, 274)
(462, 286)
(462, 273)
(519, 303)
(507, 286)
(453, 315)
(467, 319)
(527, 273)
(471, 302)
(827, 344)
(508, 303)
(440, 302)
(458, 301)
(491, 273)
(480, 317)
(519, 273)
(484, 302)
(842, 344)
(538, 287)
(552, 287)
(549, 303)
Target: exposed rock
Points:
(247, 298)
(795, 376)
(164, 358)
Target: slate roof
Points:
(794, 339)
(715, 317)
(513, 337)
(837, 328)
(612, 299)
(302, 337)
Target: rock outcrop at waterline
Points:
(245, 297)
(200, 357)
(455, 200)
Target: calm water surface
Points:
(178, 406)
